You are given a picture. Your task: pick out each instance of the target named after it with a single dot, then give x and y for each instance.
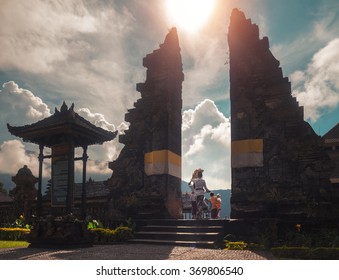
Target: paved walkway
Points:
(130, 252)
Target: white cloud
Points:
(77, 49)
(14, 156)
(111, 149)
(205, 112)
(204, 66)
(96, 118)
(94, 64)
(317, 88)
(327, 26)
(100, 155)
(301, 46)
(97, 170)
(206, 144)
(37, 33)
(18, 105)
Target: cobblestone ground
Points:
(130, 252)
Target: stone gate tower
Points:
(279, 168)
(146, 180)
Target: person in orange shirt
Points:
(213, 201)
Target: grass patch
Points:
(12, 244)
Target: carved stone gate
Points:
(146, 179)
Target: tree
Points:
(2, 188)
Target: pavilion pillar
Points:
(41, 160)
(83, 196)
(70, 177)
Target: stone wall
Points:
(146, 179)
(279, 168)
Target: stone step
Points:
(187, 243)
(182, 222)
(188, 228)
(180, 232)
(193, 236)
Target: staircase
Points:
(192, 233)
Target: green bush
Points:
(123, 233)
(13, 234)
(120, 234)
(299, 253)
(94, 224)
(255, 246)
(312, 239)
(237, 245)
(101, 235)
(305, 253)
(322, 253)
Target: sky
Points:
(90, 53)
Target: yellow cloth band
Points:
(162, 162)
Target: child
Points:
(213, 201)
(218, 205)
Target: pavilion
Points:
(63, 131)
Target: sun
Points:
(189, 15)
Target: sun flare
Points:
(189, 15)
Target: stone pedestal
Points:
(59, 232)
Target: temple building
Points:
(6, 209)
(331, 143)
(280, 168)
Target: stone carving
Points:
(59, 231)
(24, 194)
(279, 168)
(146, 179)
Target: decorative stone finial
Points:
(24, 171)
(64, 107)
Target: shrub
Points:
(13, 234)
(120, 234)
(255, 246)
(311, 239)
(238, 245)
(305, 253)
(94, 224)
(299, 253)
(322, 253)
(123, 233)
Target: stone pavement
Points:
(130, 252)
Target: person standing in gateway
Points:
(193, 197)
(199, 186)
